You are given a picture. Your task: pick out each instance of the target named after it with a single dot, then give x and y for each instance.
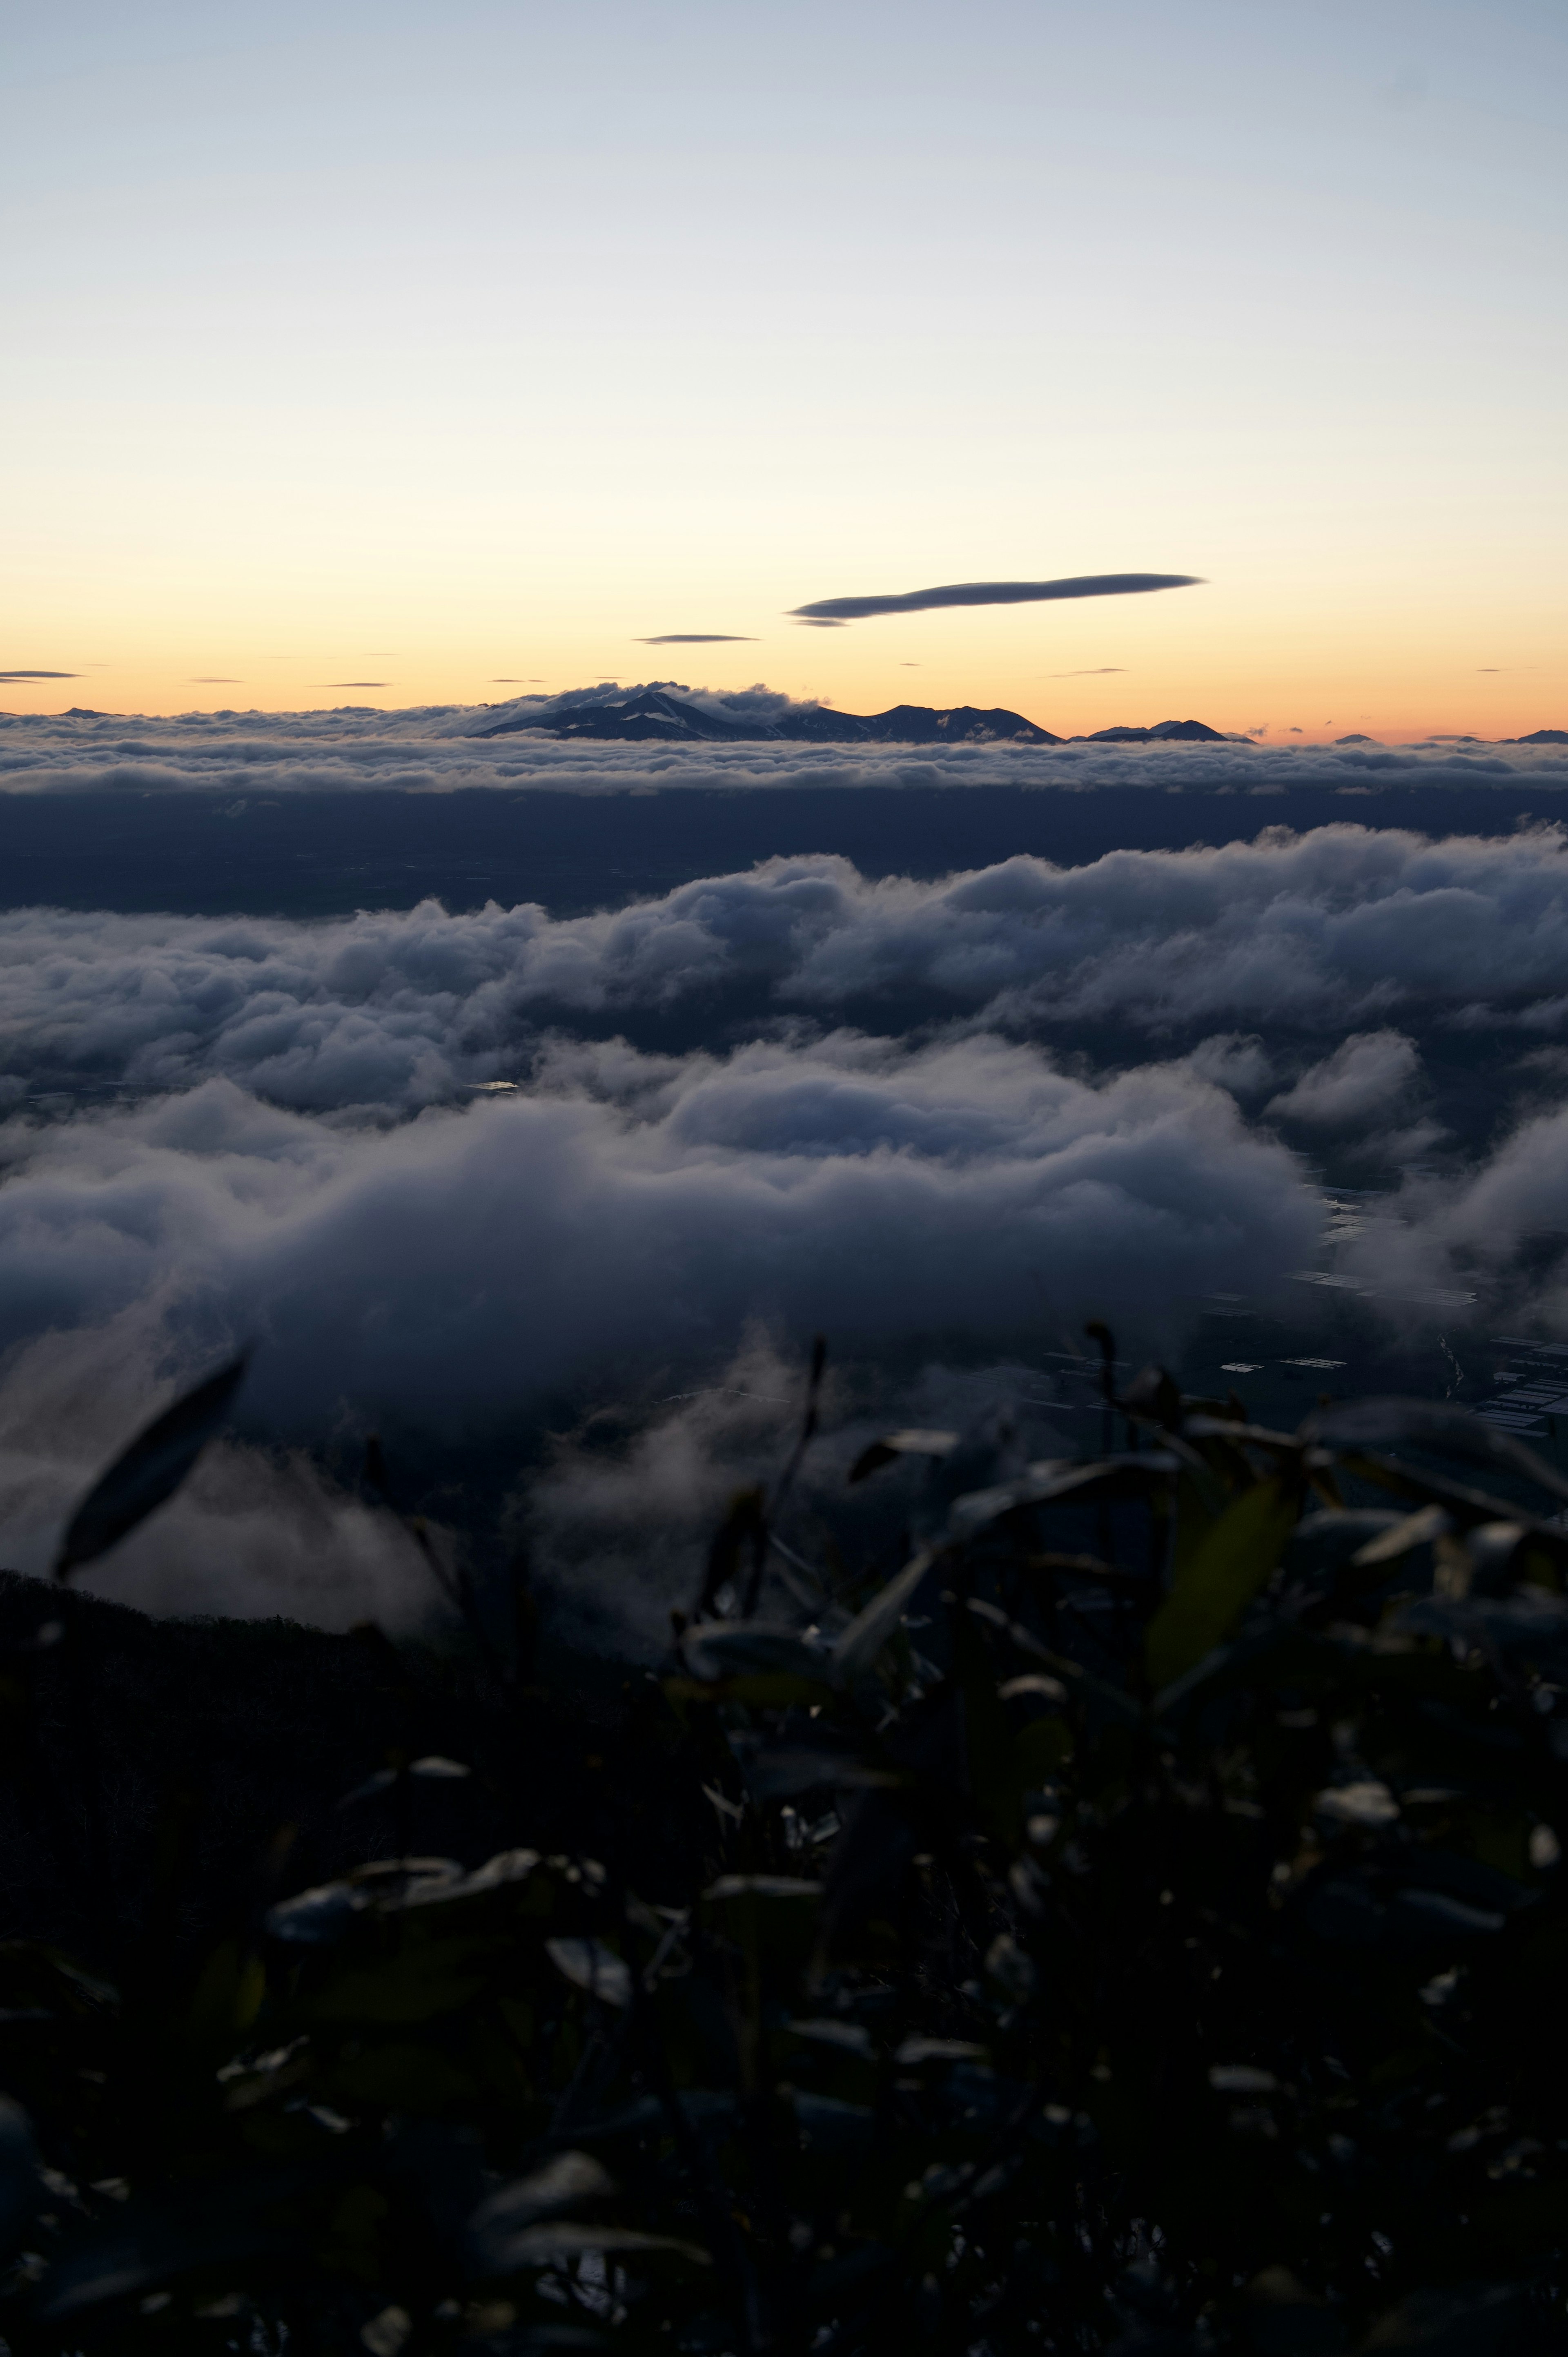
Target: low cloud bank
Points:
(609, 1234)
(1339, 929)
(633, 1211)
(440, 750)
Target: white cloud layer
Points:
(1339, 927)
(307, 1168)
(436, 750)
(1363, 1082)
(635, 1212)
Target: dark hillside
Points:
(210, 1757)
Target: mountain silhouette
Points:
(653, 715)
(1164, 732)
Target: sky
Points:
(393, 356)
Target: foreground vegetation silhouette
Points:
(1135, 1925)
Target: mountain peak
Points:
(1164, 732)
(654, 713)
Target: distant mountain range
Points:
(652, 715)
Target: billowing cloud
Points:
(1337, 929)
(630, 1210)
(1499, 1228)
(893, 1131)
(991, 593)
(1237, 1060)
(1362, 1082)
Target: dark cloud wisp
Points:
(697, 639)
(39, 674)
(991, 593)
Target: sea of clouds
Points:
(1341, 928)
(444, 749)
(441, 1172)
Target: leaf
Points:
(768, 1689)
(801, 1762)
(1530, 2217)
(761, 1886)
(1038, 1688)
(858, 1645)
(19, 2181)
(1428, 1523)
(228, 1994)
(894, 1445)
(432, 1768)
(209, 2224)
(1223, 1575)
(1366, 1802)
(317, 1917)
(828, 2123)
(1429, 1424)
(724, 1649)
(417, 1984)
(1041, 1750)
(548, 2246)
(1012, 1968)
(1054, 1479)
(743, 1530)
(993, 1778)
(918, 2050)
(771, 1912)
(506, 1869)
(402, 2077)
(150, 1470)
(1321, 1547)
(589, 1965)
(565, 2180)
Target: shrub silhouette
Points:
(1136, 1925)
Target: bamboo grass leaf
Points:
(1223, 1573)
(895, 1445)
(147, 1473)
(858, 1646)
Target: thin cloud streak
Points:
(39, 674)
(696, 638)
(839, 611)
